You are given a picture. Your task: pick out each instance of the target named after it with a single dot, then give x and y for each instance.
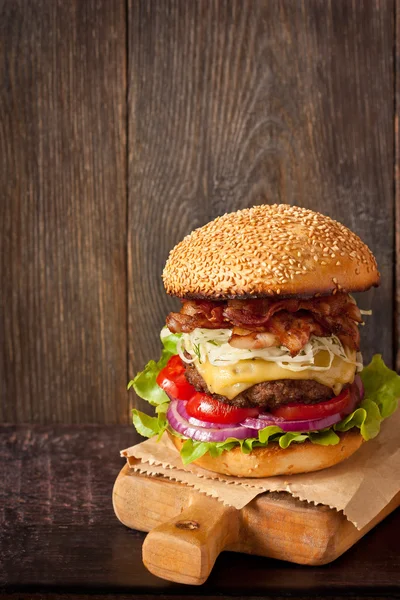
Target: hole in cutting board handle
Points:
(185, 549)
(192, 525)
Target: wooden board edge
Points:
(341, 534)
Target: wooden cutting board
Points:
(188, 530)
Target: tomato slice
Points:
(298, 412)
(200, 406)
(173, 381)
(205, 408)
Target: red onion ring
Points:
(205, 434)
(304, 425)
(359, 385)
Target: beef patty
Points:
(268, 394)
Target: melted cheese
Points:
(231, 380)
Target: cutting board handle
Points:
(185, 549)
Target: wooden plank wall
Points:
(125, 125)
(63, 211)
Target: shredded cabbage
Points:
(213, 345)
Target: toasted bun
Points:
(273, 460)
(267, 251)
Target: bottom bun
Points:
(273, 460)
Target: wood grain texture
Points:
(58, 532)
(227, 103)
(63, 211)
(236, 103)
(273, 524)
(185, 549)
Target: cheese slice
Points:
(231, 380)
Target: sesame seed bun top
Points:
(267, 251)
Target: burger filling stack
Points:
(261, 372)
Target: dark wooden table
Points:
(59, 535)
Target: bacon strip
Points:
(193, 315)
(295, 329)
(259, 312)
(291, 320)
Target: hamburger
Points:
(261, 372)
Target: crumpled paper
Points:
(361, 486)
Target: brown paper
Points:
(361, 486)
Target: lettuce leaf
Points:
(268, 432)
(146, 387)
(325, 437)
(170, 340)
(382, 386)
(382, 391)
(367, 418)
(145, 384)
(193, 450)
(149, 426)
